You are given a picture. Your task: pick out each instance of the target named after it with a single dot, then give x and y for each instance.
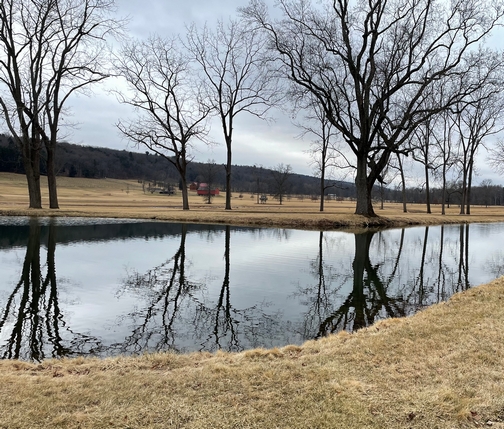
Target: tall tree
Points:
(446, 150)
(48, 51)
(372, 64)
(480, 116)
(422, 153)
(171, 109)
(324, 150)
(235, 76)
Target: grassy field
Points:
(441, 368)
(119, 198)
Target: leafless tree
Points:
(447, 151)
(171, 109)
(280, 176)
(235, 76)
(400, 167)
(49, 50)
(372, 64)
(324, 150)
(422, 142)
(480, 116)
(209, 176)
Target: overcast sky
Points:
(254, 141)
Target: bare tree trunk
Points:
(185, 196)
(427, 189)
(443, 191)
(468, 190)
(403, 184)
(322, 185)
(31, 162)
(51, 176)
(464, 191)
(364, 204)
(228, 174)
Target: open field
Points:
(119, 198)
(442, 368)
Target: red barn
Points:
(203, 190)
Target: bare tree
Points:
(422, 152)
(372, 64)
(446, 150)
(280, 176)
(400, 166)
(48, 51)
(482, 115)
(235, 76)
(209, 175)
(171, 109)
(324, 151)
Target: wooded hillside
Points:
(98, 162)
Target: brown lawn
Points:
(442, 368)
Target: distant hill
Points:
(98, 162)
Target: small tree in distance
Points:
(209, 175)
(280, 184)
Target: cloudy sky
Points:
(254, 142)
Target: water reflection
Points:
(199, 297)
(180, 308)
(31, 321)
(385, 285)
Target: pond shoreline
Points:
(439, 368)
(112, 198)
(319, 221)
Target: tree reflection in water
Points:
(388, 274)
(387, 287)
(166, 287)
(176, 301)
(31, 321)
(369, 294)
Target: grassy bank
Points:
(441, 368)
(119, 198)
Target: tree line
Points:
(371, 83)
(97, 163)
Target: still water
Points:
(100, 287)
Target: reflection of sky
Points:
(271, 273)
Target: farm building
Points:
(203, 190)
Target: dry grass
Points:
(441, 368)
(119, 198)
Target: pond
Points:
(101, 287)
